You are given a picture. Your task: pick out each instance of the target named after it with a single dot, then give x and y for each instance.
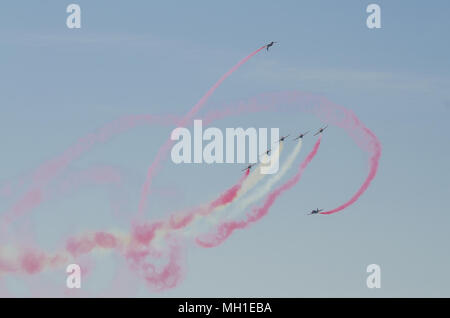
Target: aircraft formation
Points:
(283, 138)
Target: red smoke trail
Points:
(33, 262)
(363, 136)
(162, 152)
(49, 170)
(229, 195)
(225, 198)
(161, 277)
(93, 175)
(84, 245)
(139, 253)
(144, 233)
(227, 228)
(327, 112)
(44, 174)
(373, 167)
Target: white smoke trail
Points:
(252, 180)
(262, 191)
(256, 175)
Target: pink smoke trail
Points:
(326, 111)
(5, 190)
(162, 152)
(227, 228)
(34, 197)
(143, 234)
(225, 198)
(162, 277)
(140, 255)
(36, 194)
(45, 173)
(373, 167)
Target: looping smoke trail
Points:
(162, 152)
(324, 110)
(373, 167)
(225, 229)
(138, 247)
(363, 136)
(144, 260)
(44, 174)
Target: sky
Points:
(160, 57)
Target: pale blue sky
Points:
(161, 57)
